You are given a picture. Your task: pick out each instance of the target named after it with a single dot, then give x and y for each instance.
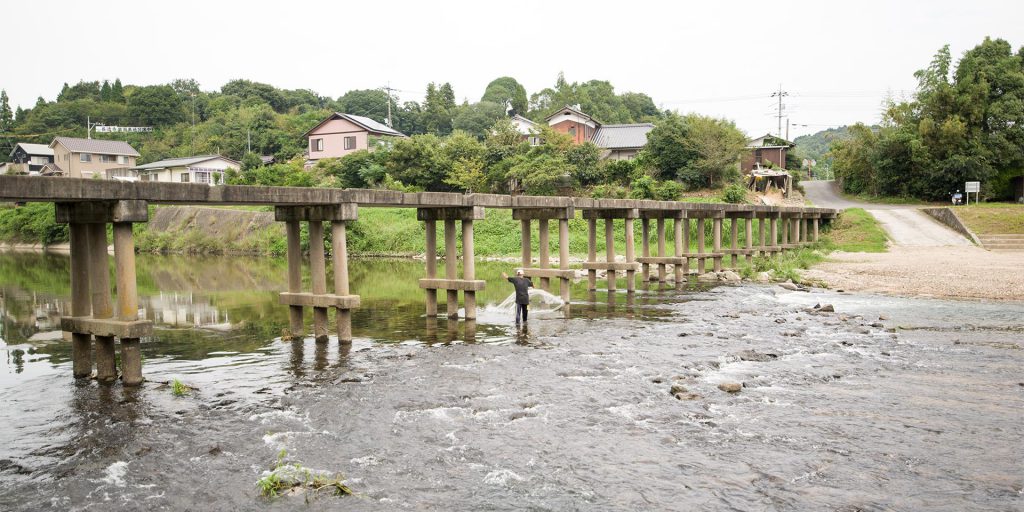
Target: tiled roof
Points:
(372, 125)
(622, 136)
(97, 146)
(178, 162)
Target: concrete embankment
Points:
(190, 229)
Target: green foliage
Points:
(609, 191)
(178, 388)
(478, 118)
(595, 97)
(506, 91)
(734, 193)
(856, 230)
(697, 150)
(284, 477)
(960, 126)
(34, 223)
(6, 115)
(155, 105)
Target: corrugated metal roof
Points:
(35, 149)
(621, 136)
(178, 162)
(101, 147)
(372, 125)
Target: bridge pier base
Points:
(663, 260)
(543, 270)
(451, 284)
(320, 300)
(92, 311)
(611, 266)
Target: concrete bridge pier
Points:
(762, 249)
(773, 221)
(321, 301)
(735, 251)
(544, 270)
(92, 309)
(662, 260)
(611, 266)
(814, 228)
(469, 285)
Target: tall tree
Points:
(507, 91)
(117, 91)
(105, 91)
(6, 116)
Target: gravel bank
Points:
(950, 272)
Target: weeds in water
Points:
(285, 477)
(178, 388)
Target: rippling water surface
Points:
(919, 410)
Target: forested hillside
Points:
(244, 115)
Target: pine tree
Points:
(105, 91)
(117, 92)
(6, 116)
(63, 92)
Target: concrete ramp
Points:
(911, 228)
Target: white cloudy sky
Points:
(837, 60)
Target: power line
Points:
(780, 94)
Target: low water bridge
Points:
(87, 206)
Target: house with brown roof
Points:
(618, 141)
(766, 151)
(88, 158)
(341, 134)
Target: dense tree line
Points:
(963, 124)
(451, 147)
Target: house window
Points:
(123, 160)
(202, 177)
(572, 131)
(316, 144)
(85, 157)
(106, 158)
(350, 142)
(39, 160)
(184, 177)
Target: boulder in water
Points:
(730, 387)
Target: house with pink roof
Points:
(341, 134)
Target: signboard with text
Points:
(110, 129)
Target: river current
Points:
(884, 404)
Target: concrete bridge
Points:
(87, 206)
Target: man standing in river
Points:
(522, 286)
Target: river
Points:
(885, 404)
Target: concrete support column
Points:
(609, 246)
(339, 253)
(749, 238)
(127, 301)
(661, 249)
(563, 258)
(700, 245)
(734, 234)
(785, 231)
(760, 234)
(716, 227)
(678, 239)
(294, 276)
(431, 260)
(794, 234)
(451, 262)
(106, 365)
(805, 231)
(318, 276)
(544, 241)
(592, 253)
(773, 224)
(630, 255)
(81, 343)
(468, 268)
(527, 257)
(645, 248)
(815, 229)
(686, 245)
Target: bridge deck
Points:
(40, 189)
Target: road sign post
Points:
(972, 186)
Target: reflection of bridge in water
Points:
(89, 205)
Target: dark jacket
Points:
(522, 284)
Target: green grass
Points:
(786, 265)
(179, 388)
(856, 231)
(284, 477)
(992, 218)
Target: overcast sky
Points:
(838, 61)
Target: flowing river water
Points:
(921, 409)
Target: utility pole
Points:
(780, 94)
(192, 144)
(387, 88)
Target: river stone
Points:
(708, 277)
(753, 355)
(763, 277)
(827, 308)
(788, 285)
(730, 387)
(729, 276)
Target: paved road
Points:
(905, 224)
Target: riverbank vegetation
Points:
(964, 123)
